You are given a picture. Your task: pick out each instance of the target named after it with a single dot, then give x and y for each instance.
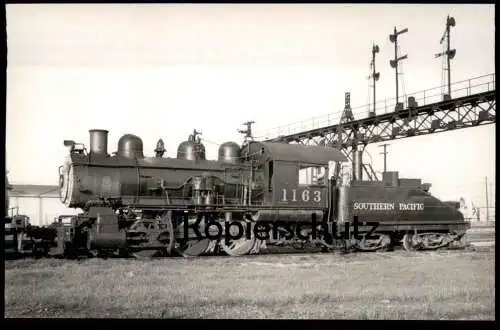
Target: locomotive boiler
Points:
(259, 194)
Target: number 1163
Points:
(304, 196)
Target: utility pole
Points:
(450, 53)
(385, 155)
(487, 203)
(394, 63)
(374, 75)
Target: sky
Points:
(163, 70)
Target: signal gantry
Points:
(394, 63)
(449, 53)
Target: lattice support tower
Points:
(340, 138)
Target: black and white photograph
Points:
(311, 161)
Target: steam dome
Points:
(229, 152)
(130, 146)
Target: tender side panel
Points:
(399, 206)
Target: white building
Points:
(40, 203)
(474, 213)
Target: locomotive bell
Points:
(160, 148)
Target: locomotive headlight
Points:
(65, 182)
(63, 179)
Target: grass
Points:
(396, 285)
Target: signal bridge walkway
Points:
(425, 112)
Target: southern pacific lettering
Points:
(388, 206)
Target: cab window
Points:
(312, 174)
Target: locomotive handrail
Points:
(226, 207)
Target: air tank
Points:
(229, 152)
(98, 141)
(130, 146)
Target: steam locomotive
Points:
(254, 196)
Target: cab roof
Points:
(297, 153)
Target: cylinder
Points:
(98, 141)
(358, 165)
(109, 240)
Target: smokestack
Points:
(98, 141)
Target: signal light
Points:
(393, 37)
(394, 62)
(450, 21)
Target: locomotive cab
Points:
(295, 175)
